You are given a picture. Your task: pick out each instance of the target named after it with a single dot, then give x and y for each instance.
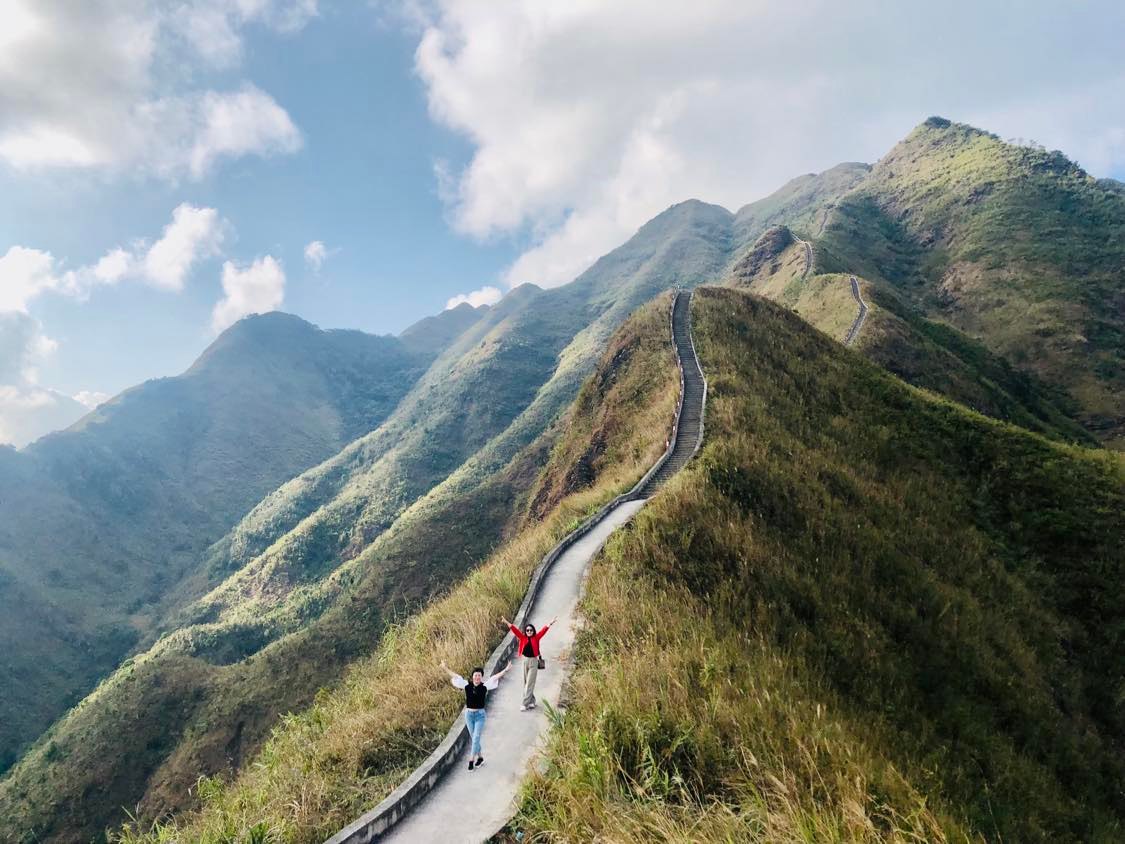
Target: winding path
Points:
(853, 332)
(442, 801)
(808, 256)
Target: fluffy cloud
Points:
(91, 398)
(485, 296)
(315, 255)
(24, 274)
(194, 234)
(254, 289)
(111, 83)
(23, 345)
(588, 118)
(27, 411)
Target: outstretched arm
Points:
(510, 626)
(456, 679)
(494, 680)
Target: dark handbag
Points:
(542, 662)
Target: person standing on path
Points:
(527, 646)
(476, 694)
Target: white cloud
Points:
(114, 84)
(588, 118)
(24, 274)
(27, 411)
(193, 234)
(23, 346)
(476, 298)
(254, 289)
(91, 398)
(315, 255)
(235, 124)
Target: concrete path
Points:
(808, 256)
(470, 806)
(853, 332)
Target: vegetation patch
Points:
(864, 613)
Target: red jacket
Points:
(522, 639)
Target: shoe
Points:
(470, 764)
(523, 708)
(531, 706)
(480, 761)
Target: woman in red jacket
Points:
(527, 646)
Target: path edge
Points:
(394, 807)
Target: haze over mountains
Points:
(231, 540)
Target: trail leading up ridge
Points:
(470, 806)
(853, 332)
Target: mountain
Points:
(356, 742)
(318, 569)
(303, 585)
(103, 524)
(863, 613)
(1017, 247)
(39, 411)
(922, 351)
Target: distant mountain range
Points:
(232, 539)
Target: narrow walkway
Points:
(808, 256)
(853, 332)
(471, 806)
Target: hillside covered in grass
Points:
(315, 573)
(378, 491)
(103, 526)
(922, 351)
(1013, 245)
(356, 743)
(864, 613)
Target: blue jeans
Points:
(474, 720)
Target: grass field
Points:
(863, 614)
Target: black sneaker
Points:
(480, 761)
(470, 764)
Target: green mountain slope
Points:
(1017, 247)
(802, 203)
(923, 352)
(865, 613)
(319, 568)
(102, 523)
(310, 577)
(356, 743)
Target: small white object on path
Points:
(468, 807)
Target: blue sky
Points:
(362, 183)
(442, 147)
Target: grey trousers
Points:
(530, 672)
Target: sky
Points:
(170, 166)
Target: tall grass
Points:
(863, 614)
(326, 765)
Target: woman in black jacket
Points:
(476, 694)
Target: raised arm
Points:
(547, 627)
(492, 682)
(456, 679)
(510, 626)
